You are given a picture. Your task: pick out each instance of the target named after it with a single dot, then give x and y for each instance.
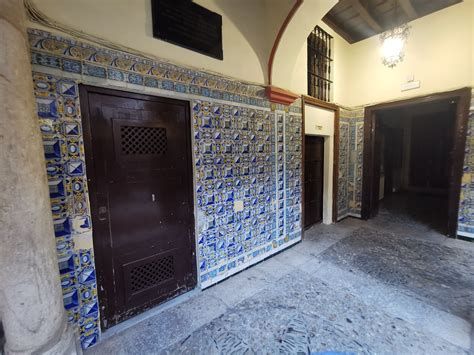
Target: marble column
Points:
(31, 304)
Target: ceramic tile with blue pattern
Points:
(62, 227)
(71, 129)
(70, 298)
(67, 88)
(64, 245)
(59, 208)
(94, 70)
(89, 339)
(53, 148)
(45, 60)
(47, 107)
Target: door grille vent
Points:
(139, 140)
(151, 274)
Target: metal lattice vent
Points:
(151, 274)
(139, 140)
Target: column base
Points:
(67, 344)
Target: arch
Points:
(302, 18)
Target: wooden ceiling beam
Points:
(408, 8)
(355, 20)
(328, 20)
(365, 15)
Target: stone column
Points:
(31, 304)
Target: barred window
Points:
(320, 64)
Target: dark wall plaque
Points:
(188, 25)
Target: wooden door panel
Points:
(313, 184)
(142, 203)
(432, 145)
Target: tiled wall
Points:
(351, 141)
(240, 156)
(343, 208)
(292, 168)
(466, 203)
(243, 150)
(57, 102)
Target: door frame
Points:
(335, 164)
(100, 266)
(462, 98)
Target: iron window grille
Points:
(320, 64)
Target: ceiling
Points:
(355, 20)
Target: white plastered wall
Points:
(439, 53)
(320, 122)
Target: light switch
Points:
(410, 85)
(238, 206)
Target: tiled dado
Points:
(243, 151)
(293, 152)
(57, 101)
(237, 158)
(355, 176)
(351, 142)
(343, 208)
(466, 200)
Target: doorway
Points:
(138, 157)
(313, 180)
(413, 159)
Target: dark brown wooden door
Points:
(392, 157)
(431, 148)
(138, 150)
(313, 180)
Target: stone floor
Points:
(389, 285)
(423, 212)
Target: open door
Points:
(374, 151)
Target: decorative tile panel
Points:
(74, 57)
(351, 141)
(235, 160)
(343, 208)
(60, 125)
(466, 200)
(280, 177)
(357, 147)
(293, 161)
(244, 153)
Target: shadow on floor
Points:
(420, 210)
(441, 276)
